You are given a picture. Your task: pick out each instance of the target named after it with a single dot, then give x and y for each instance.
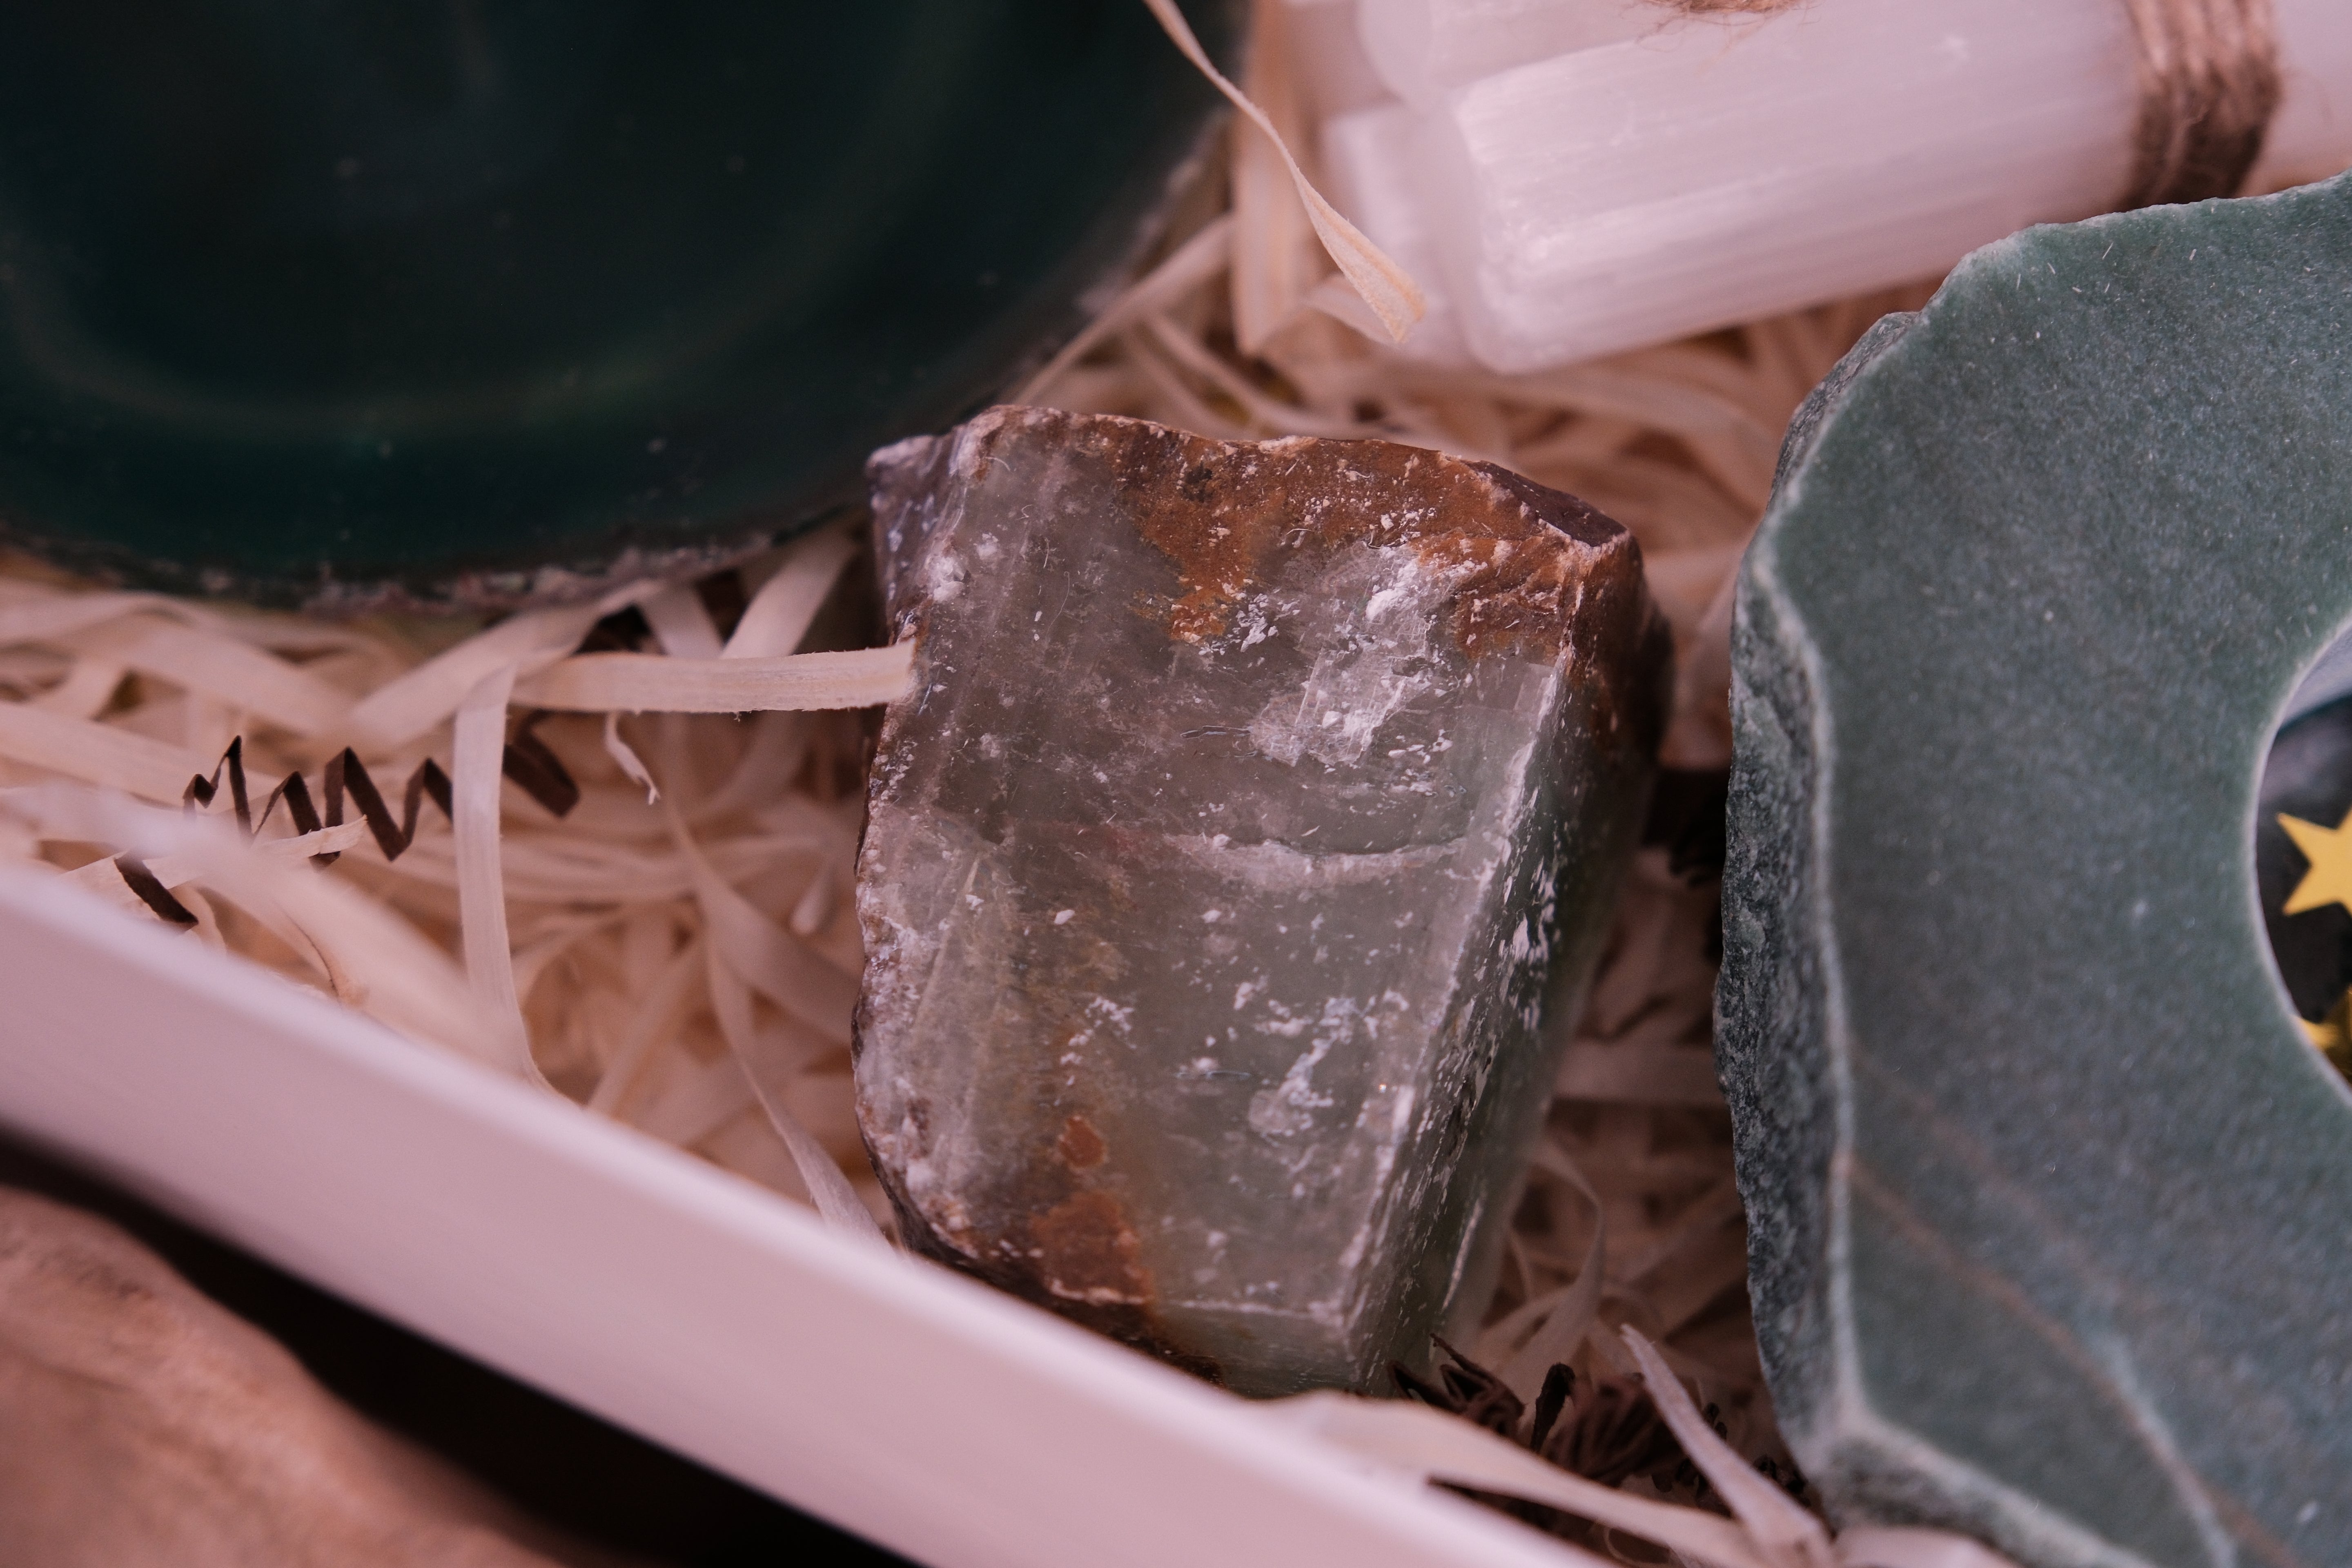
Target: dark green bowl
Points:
(342, 302)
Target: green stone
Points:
(2051, 1201)
(329, 304)
(1253, 807)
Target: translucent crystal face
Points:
(1217, 869)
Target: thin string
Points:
(2208, 84)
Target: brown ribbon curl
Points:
(2208, 83)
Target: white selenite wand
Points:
(1570, 178)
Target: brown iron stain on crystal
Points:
(1088, 1252)
(1542, 574)
(1080, 1146)
(1223, 509)
(1215, 530)
(1537, 573)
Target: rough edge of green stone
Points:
(1776, 1033)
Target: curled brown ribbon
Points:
(2208, 83)
(529, 761)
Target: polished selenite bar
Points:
(1424, 49)
(1666, 175)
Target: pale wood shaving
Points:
(641, 683)
(1391, 293)
(628, 954)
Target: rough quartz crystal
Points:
(1252, 808)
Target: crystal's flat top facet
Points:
(1215, 866)
(2047, 1188)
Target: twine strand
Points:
(2208, 83)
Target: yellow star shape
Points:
(2329, 852)
(2331, 1036)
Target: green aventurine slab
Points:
(1252, 808)
(2050, 1201)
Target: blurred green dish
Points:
(349, 303)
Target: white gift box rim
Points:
(890, 1396)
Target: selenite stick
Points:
(1703, 173)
